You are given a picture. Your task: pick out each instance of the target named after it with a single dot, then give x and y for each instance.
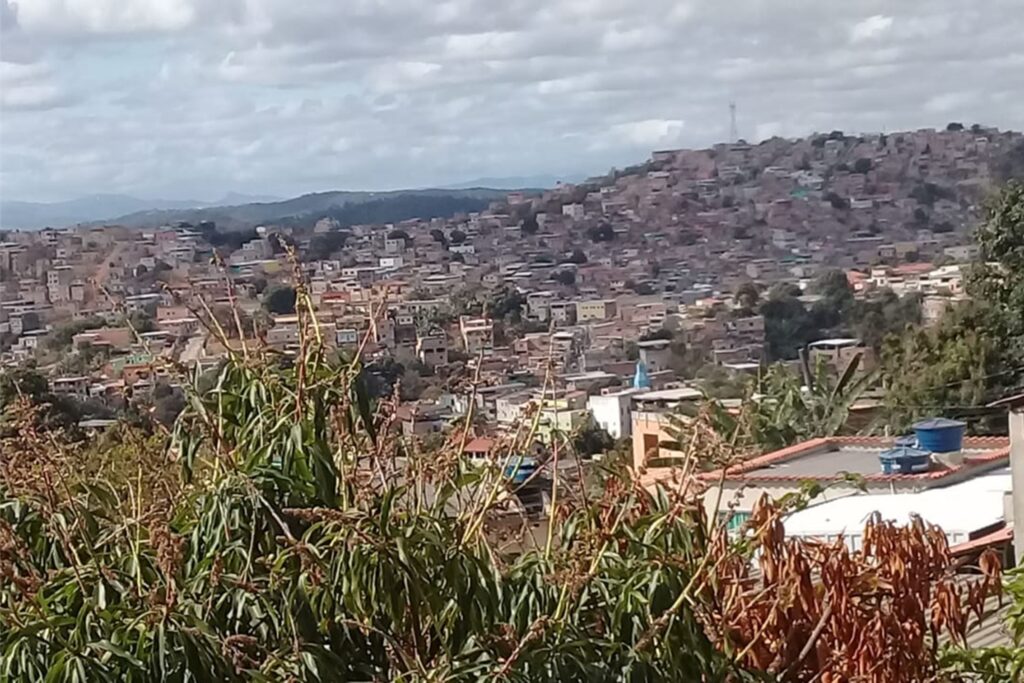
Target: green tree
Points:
(564, 277)
(976, 351)
(277, 558)
(279, 300)
(603, 232)
(322, 246)
(779, 410)
(283, 533)
(141, 322)
(747, 298)
(875, 318)
(60, 339)
(467, 301)
(718, 383)
(997, 279)
(577, 256)
(836, 301)
(591, 439)
(47, 411)
(788, 325)
(506, 304)
(530, 225)
(22, 382)
(837, 202)
(399, 234)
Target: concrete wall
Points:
(743, 498)
(612, 413)
(1017, 479)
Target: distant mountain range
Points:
(516, 182)
(101, 207)
(236, 210)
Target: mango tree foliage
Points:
(304, 541)
(287, 531)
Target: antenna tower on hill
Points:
(734, 135)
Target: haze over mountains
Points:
(235, 207)
(98, 207)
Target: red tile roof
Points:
(480, 444)
(998, 537)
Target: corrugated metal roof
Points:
(992, 630)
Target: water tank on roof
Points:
(520, 469)
(940, 435)
(905, 460)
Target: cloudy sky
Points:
(194, 98)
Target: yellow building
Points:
(595, 309)
(651, 420)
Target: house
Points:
(477, 334)
(180, 327)
(563, 414)
(479, 448)
(838, 353)
(284, 333)
(655, 354)
(651, 420)
(612, 411)
(596, 309)
(562, 313)
(116, 338)
(841, 465)
(432, 348)
(979, 511)
(574, 211)
(420, 420)
(71, 386)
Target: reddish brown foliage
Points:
(820, 612)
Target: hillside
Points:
(308, 206)
(247, 212)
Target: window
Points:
(733, 519)
(651, 444)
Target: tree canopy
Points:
(976, 351)
(602, 232)
(279, 300)
(323, 245)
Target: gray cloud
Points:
(196, 97)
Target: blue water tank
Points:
(907, 440)
(940, 435)
(904, 460)
(520, 469)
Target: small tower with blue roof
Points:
(640, 378)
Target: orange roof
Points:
(998, 537)
(480, 444)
